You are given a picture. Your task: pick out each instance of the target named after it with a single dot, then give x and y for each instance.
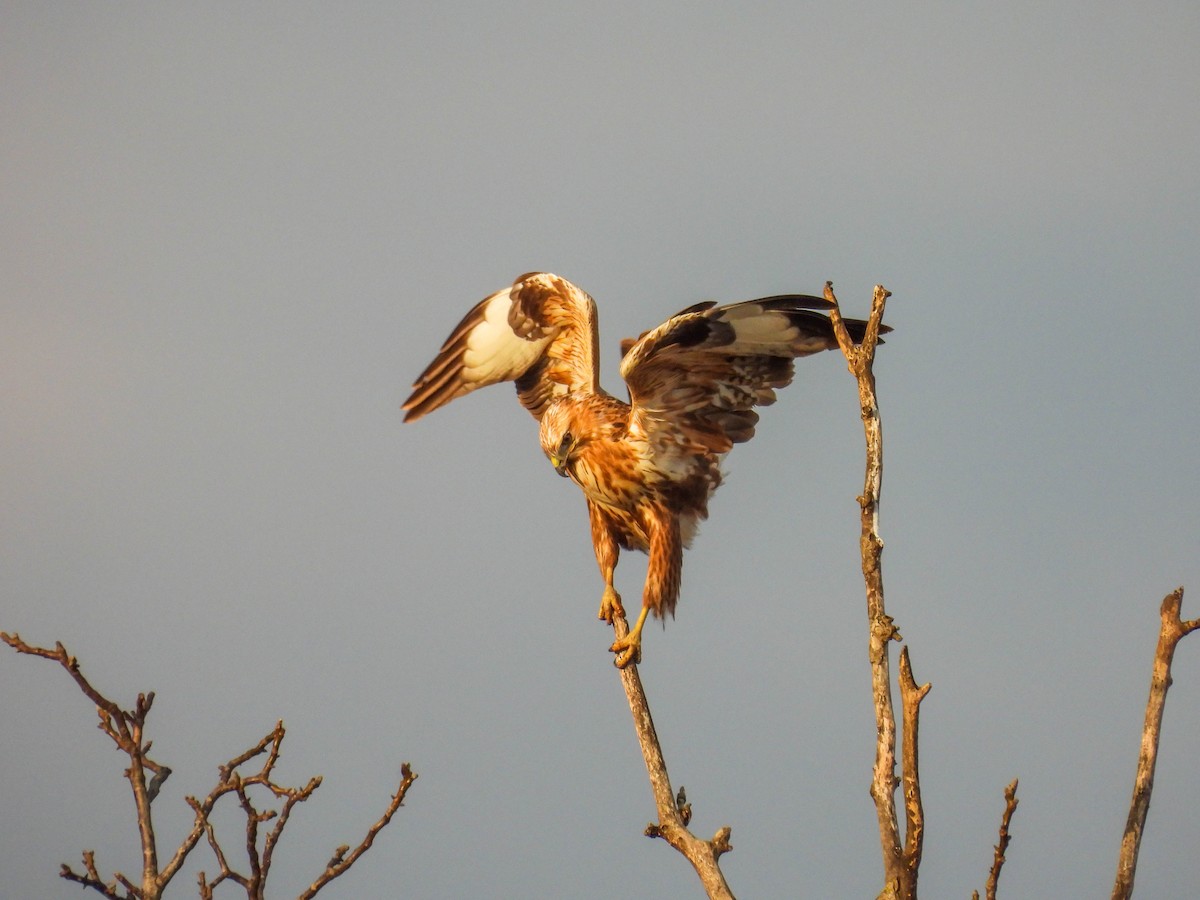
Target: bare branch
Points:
(136, 773)
(1010, 807)
(914, 832)
(92, 878)
(291, 798)
(899, 863)
(671, 826)
(129, 886)
(272, 740)
(126, 729)
(228, 778)
(113, 720)
(226, 872)
(340, 862)
(1172, 630)
(253, 817)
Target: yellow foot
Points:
(610, 605)
(628, 650)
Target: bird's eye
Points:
(566, 442)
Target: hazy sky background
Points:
(231, 236)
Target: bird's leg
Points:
(605, 545)
(662, 579)
(629, 648)
(610, 602)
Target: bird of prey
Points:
(646, 467)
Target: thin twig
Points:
(227, 774)
(92, 878)
(1010, 807)
(291, 798)
(1172, 630)
(340, 861)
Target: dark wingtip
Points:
(794, 301)
(858, 330)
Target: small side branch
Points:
(340, 861)
(1172, 630)
(90, 878)
(1010, 807)
(672, 808)
(911, 695)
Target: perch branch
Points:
(671, 826)
(1172, 630)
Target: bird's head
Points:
(558, 439)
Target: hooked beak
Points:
(560, 458)
(560, 464)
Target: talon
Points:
(629, 648)
(628, 651)
(610, 605)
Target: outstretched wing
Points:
(694, 380)
(540, 332)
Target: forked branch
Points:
(900, 860)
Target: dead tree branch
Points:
(340, 862)
(900, 861)
(125, 729)
(911, 695)
(674, 812)
(1172, 630)
(1010, 807)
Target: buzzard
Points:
(646, 467)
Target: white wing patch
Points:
(540, 333)
(494, 353)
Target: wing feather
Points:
(694, 381)
(540, 332)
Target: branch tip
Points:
(1171, 631)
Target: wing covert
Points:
(694, 380)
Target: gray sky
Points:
(231, 238)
